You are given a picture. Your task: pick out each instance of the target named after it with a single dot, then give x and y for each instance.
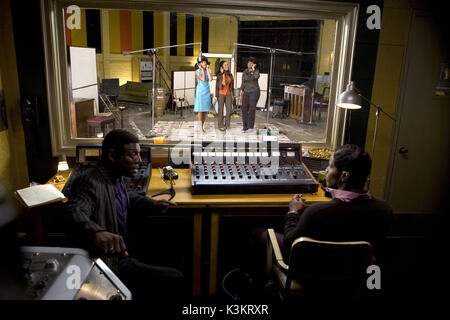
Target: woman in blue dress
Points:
(202, 94)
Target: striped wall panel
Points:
(131, 30)
(187, 28)
(89, 34)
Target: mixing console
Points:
(247, 170)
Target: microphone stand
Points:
(152, 52)
(272, 52)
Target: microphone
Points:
(199, 55)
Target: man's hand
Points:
(297, 203)
(165, 204)
(110, 243)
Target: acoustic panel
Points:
(212, 87)
(262, 99)
(189, 95)
(178, 93)
(178, 80)
(189, 79)
(83, 67)
(238, 79)
(263, 80)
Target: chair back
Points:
(110, 87)
(328, 268)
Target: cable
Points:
(235, 297)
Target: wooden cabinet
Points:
(81, 109)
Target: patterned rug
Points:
(186, 131)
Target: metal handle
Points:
(403, 150)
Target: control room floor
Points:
(177, 127)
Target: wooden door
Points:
(419, 167)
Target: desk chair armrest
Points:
(273, 250)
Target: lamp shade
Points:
(63, 166)
(350, 98)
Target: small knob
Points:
(403, 150)
(52, 264)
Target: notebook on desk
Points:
(39, 195)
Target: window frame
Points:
(345, 14)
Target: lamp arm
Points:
(378, 108)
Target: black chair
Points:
(321, 100)
(280, 108)
(320, 268)
(109, 91)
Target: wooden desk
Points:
(60, 184)
(217, 204)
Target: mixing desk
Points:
(277, 169)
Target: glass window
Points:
(136, 69)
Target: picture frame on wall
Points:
(443, 87)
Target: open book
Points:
(38, 195)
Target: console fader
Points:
(277, 169)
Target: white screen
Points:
(83, 67)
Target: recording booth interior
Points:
(374, 74)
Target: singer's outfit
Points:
(224, 94)
(250, 97)
(202, 94)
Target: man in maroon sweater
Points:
(352, 215)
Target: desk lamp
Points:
(63, 168)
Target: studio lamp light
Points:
(351, 99)
(62, 164)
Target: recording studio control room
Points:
(223, 158)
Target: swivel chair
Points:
(320, 269)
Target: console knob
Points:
(52, 264)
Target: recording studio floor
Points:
(176, 128)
